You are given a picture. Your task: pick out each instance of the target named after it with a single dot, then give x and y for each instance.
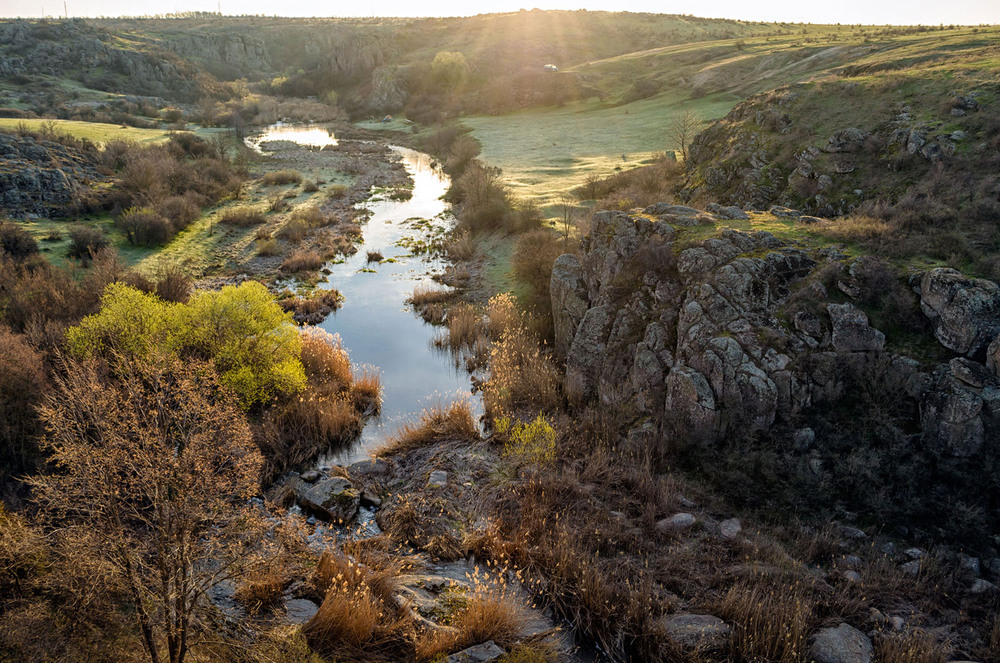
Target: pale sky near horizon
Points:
(911, 12)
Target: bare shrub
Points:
(173, 284)
(313, 309)
(16, 242)
(294, 230)
(144, 226)
(85, 241)
(22, 384)
(268, 247)
(534, 254)
(303, 260)
(310, 186)
(336, 191)
(181, 211)
(464, 326)
(324, 358)
(366, 392)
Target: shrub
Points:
(310, 186)
(85, 242)
(144, 227)
(16, 242)
(242, 217)
(534, 254)
(181, 211)
(268, 247)
(482, 193)
(173, 284)
(324, 358)
(771, 622)
(278, 177)
(303, 260)
(461, 247)
(337, 191)
(294, 230)
(533, 443)
(22, 384)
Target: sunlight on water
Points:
(306, 135)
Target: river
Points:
(375, 324)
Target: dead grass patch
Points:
(439, 423)
(303, 260)
(242, 217)
(279, 177)
(424, 295)
(261, 589)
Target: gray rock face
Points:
(586, 354)
(851, 331)
(299, 611)
(569, 300)
(697, 632)
(965, 312)
(730, 212)
(844, 644)
(41, 177)
(334, 498)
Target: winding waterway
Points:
(375, 324)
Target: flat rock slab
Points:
(483, 653)
(438, 479)
(844, 644)
(334, 498)
(702, 632)
(299, 611)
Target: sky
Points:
(904, 12)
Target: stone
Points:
(993, 356)
(911, 569)
(971, 373)
(730, 528)
(915, 553)
(852, 562)
(808, 324)
(586, 354)
(731, 213)
(690, 400)
(969, 565)
(843, 644)
(809, 220)
(310, 476)
(852, 577)
(437, 479)
(951, 418)
(851, 331)
(569, 300)
(299, 611)
(481, 653)
(784, 212)
(335, 498)
(803, 439)
(980, 586)
(373, 467)
(370, 499)
(965, 312)
(678, 522)
(697, 632)
(852, 533)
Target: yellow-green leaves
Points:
(253, 343)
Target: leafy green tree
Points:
(449, 70)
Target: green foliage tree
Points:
(448, 70)
(252, 342)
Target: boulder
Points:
(730, 528)
(951, 418)
(660, 209)
(481, 653)
(299, 611)
(784, 212)
(697, 632)
(731, 212)
(690, 403)
(678, 522)
(586, 354)
(843, 644)
(371, 467)
(993, 356)
(851, 331)
(965, 312)
(334, 498)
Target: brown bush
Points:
(181, 211)
(325, 359)
(534, 254)
(16, 242)
(143, 226)
(278, 177)
(437, 424)
(461, 247)
(242, 217)
(23, 383)
(303, 260)
(85, 241)
(268, 247)
(294, 230)
(173, 284)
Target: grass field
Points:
(546, 152)
(95, 132)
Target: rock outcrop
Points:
(41, 177)
(701, 342)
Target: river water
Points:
(376, 326)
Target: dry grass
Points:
(358, 620)
(520, 375)
(454, 422)
(771, 619)
(303, 260)
(268, 247)
(242, 217)
(286, 176)
(375, 256)
(911, 646)
(366, 392)
(325, 359)
(490, 611)
(462, 247)
(463, 326)
(424, 295)
(337, 191)
(260, 589)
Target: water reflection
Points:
(301, 134)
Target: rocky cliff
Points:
(743, 341)
(42, 177)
